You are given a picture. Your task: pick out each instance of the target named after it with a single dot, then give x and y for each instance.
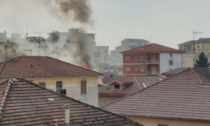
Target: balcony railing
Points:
(152, 72)
(152, 61)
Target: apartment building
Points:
(151, 59)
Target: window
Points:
(127, 58)
(180, 48)
(142, 68)
(198, 46)
(136, 68)
(58, 86)
(170, 62)
(142, 58)
(83, 87)
(116, 86)
(127, 69)
(135, 58)
(170, 54)
(203, 46)
(42, 84)
(83, 90)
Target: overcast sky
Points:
(168, 22)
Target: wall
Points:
(103, 100)
(134, 63)
(146, 121)
(188, 60)
(164, 61)
(73, 87)
(10, 49)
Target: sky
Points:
(166, 22)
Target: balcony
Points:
(152, 61)
(152, 72)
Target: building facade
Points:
(193, 49)
(103, 52)
(78, 83)
(151, 59)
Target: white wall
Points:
(164, 61)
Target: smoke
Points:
(72, 46)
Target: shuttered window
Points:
(83, 87)
(58, 86)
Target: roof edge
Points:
(4, 101)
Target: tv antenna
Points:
(194, 33)
(40, 39)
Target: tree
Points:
(202, 61)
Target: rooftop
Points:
(184, 95)
(41, 66)
(138, 83)
(136, 40)
(25, 103)
(174, 71)
(151, 48)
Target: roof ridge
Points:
(154, 46)
(197, 76)
(2, 67)
(44, 88)
(143, 88)
(4, 101)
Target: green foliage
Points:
(202, 61)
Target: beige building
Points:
(179, 100)
(200, 45)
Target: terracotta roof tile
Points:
(175, 71)
(181, 96)
(28, 104)
(26, 66)
(153, 47)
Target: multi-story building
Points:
(151, 59)
(200, 45)
(103, 52)
(126, 44)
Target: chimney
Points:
(67, 114)
(56, 122)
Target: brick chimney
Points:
(67, 114)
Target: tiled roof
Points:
(26, 103)
(188, 42)
(28, 66)
(153, 47)
(181, 96)
(140, 83)
(175, 71)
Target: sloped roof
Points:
(149, 80)
(153, 47)
(174, 71)
(26, 103)
(188, 42)
(41, 66)
(181, 96)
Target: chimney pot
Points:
(56, 122)
(67, 114)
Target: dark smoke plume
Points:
(78, 11)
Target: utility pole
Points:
(39, 39)
(194, 32)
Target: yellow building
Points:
(200, 45)
(77, 82)
(180, 100)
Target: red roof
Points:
(28, 66)
(153, 47)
